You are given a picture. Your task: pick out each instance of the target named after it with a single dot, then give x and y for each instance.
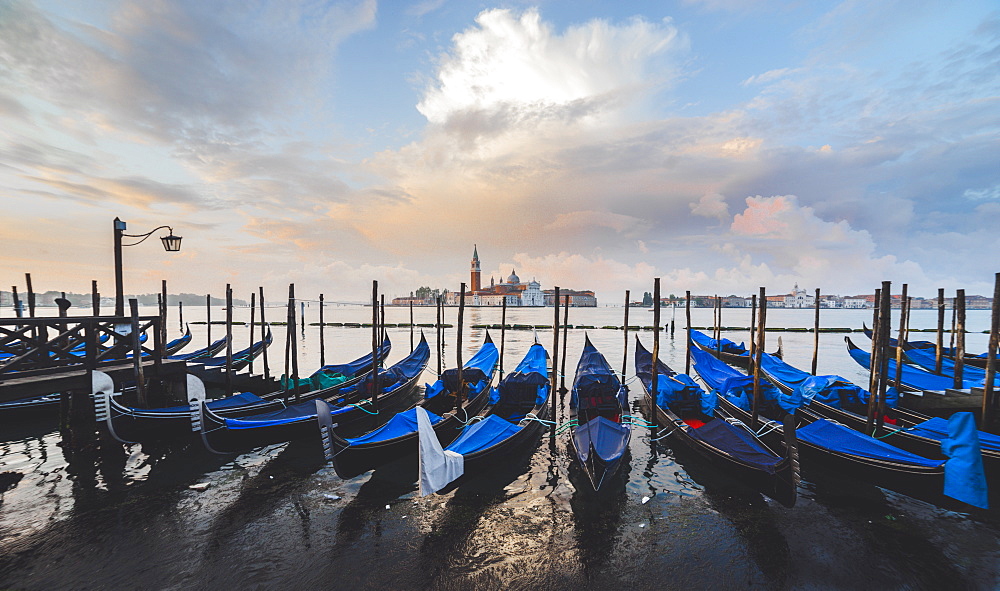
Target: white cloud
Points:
(516, 67)
(711, 205)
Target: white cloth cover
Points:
(438, 468)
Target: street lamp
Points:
(171, 243)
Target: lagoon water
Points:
(279, 518)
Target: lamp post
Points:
(171, 243)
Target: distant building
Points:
(512, 291)
(579, 299)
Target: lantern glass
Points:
(171, 243)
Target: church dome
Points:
(513, 278)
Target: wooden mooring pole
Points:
(753, 327)
(263, 331)
(555, 363)
(95, 298)
(959, 338)
(815, 362)
(687, 345)
(163, 310)
(375, 346)
(411, 325)
(654, 383)
(253, 312)
(625, 333)
(762, 300)
(991, 357)
(565, 341)
(140, 382)
(208, 317)
(229, 340)
(503, 332)
(438, 345)
(460, 395)
(939, 343)
(322, 333)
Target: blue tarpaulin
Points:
(596, 384)
(838, 438)
(360, 365)
(402, 423)
(831, 390)
(737, 442)
(675, 391)
(610, 439)
(913, 377)
(483, 434)
(708, 342)
(964, 478)
(937, 428)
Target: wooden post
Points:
(873, 359)
(655, 384)
(954, 323)
(815, 362)
(959, 337)
(411, 324)
(901, 336)
(253, 312)
(886, 329)
(673, 315)
(208, 317)
(555, 363)
(229, 340)
(939, 343)
(503, 332)
(625, 331)
(382, 318)
(375, 345)
(95, 298)
(991, 356)
(718, 321)
(18, 310)
(295, 344)
(753, 327)
(756, 365)
(322, 331)
(163, 310)
(263, 331)
(437, 336)
(687, 311)
(140, 382)
(180, 315)
(31, 295)
(565, 339)
(460, 395)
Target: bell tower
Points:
(474, 284)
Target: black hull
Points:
(780, 486)
(919, 482)
(599, 472)
(353, 460)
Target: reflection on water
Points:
(123, 516)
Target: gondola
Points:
(512, 421)
(824, 445)
(144, 424)
(725, 349)
(395, 384)
(49, 403)
(242, 358)
(837, 399)
(912, 379)
(970, 359)
(204, 352)
(179, 343)
(597, 403)
(398, 437)
(925, 359)
(697, 423)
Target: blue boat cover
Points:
(530, 375)
(838, 438)
(912, 377)
(831, 390)
(244, 399)
(737, 387)
(738, 442)
(412, 364)
(610, 439)
(359, 365)
(390, 378)
(964, 478)
(401, 424)
(483, 434)
(925, 358)
(727, 346)
(675, 391)
(937, 428)
(250, 352)
(595, 383)
(478, 368)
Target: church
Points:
(513, 290)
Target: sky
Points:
(720, 145)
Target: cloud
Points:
(711, 205)
(513, 69)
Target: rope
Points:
(358, 406)
(664, 435)
(566, 425)
(896, 431)
(767, 428)
(532, 417)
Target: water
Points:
(278, 518)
